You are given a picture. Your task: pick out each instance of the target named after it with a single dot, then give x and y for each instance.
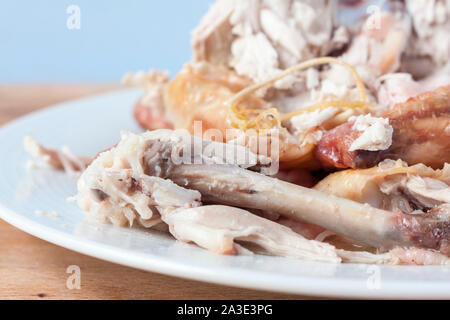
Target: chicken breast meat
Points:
(259, 38)
(429, 47)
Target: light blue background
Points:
(115, 37)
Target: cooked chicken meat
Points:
(259, 96)
(397, 88)
(259, 38)
(218, 227)
(226, 183)
(418, 192)
(122, 186)
(56, 159)
(421, 134)
(201, 92)
(424, 64)
(429, 48)
(378, 47)
(131, 182)
(376, 133)
(150, 109)
(392, 185)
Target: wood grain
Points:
(31, 268)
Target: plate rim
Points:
(325, 288)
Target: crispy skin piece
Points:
(421, 135)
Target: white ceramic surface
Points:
(90, 125)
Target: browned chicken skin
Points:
(421, 135)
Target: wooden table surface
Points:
(31, 268)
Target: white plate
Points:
(90, 125)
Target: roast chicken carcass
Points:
(255, 75)
(142, 180)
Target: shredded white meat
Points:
(394, 88)
(260, 38)
(310, 120)
(310, 123)
(431, 20)
(218, 227)
(63, 159)
(377, 133)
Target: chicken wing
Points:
(421, 135)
